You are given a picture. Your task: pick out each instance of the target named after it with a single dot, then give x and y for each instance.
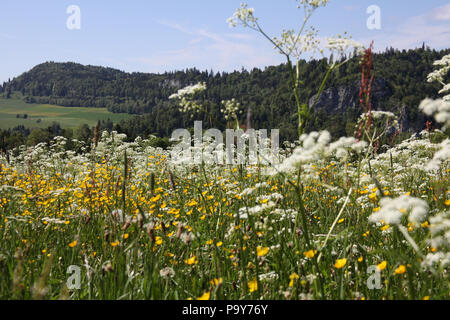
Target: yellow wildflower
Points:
(340, 263)
(293, 277)
(309, 254)
(217, 282)
(192, 203)
(73, 244)
(191, 260)
(205, 296)
(115, 244)
(253, 285)
(260, 251)
(382, 265)
(400, 270)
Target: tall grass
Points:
(141, 227)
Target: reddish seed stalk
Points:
(365, 89)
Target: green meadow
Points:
(43, 115)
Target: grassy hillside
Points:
(47, 114)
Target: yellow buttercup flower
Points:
(192, 203)
(158, 241)
(115, 244)
(205, 296)
(191, 260)
(260, 251)
(293, 277)
(309, 254)
(217, 282)
(382, 265)
(340, 263)
(400, 270)
(253, 285)
(73, 243)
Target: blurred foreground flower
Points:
(392, 210)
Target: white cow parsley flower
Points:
(392, 210)
(439, 108)
(243, 16)
(313, 146)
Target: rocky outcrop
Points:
(340, 99)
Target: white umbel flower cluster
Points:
(186, 96)
(345, 144)
(392, 210)
(441, 156)
(313, 147)
(439, 109)
(383, 121)
(342, 45)
(445, 89)
(440, 239)
(440, 230)
(379, 114)
(290, 42)
(316, 146)
(231, 109)
(438, 75)
(295, 43)
(244, 16)
(314, 3)
(189, 91)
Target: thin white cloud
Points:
(429, 27)
(441, 13)
(210, 50)
(195, 41)
(175, 26)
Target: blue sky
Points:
(158, 36)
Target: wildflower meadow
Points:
(365, 217)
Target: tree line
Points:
(402, 74)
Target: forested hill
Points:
(400, 85)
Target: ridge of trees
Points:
(266, 92)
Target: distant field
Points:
(67, 117)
